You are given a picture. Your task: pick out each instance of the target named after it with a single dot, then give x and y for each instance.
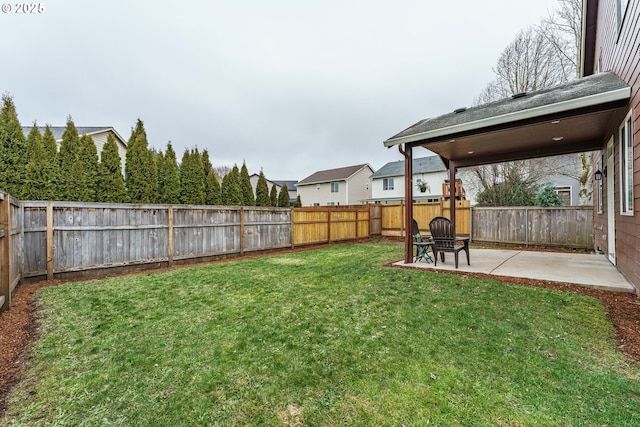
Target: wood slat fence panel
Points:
(393, 222)
(570, 226)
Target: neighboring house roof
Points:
(58, 131)
(577, 112)
(331, 175)
(421, 165)
(291, 185)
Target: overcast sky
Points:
(289, 86)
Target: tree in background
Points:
(39, 183)
(284, 201)
(298, 202)
(222, 171)
(248, 199)
(13, 150)
(192, 178)
(168, 177)
(72, 181)
(51, 152)
(140, 168)
(538, 58)
(212, 194)
(231, 189)
(273, 196)
(110, 188)
(262, 191)
(548, 197)
(513, 191)
(89, 158)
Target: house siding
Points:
(434, 182)
(619, 51)
(354, 190)
(100, 139)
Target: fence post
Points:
(5, 252)
(170, 235)
(292, 231)
(328, 224)
(49, 240)
(241, 231)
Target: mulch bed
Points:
(18, 325)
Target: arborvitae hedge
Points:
(111, 187)
(39, 183)
(72, 183)
(262, 191)
(13, 150)
(273, 196)
(212, 194)
(231, 189)
(248, 199)
(192, 178)
(140, 168)
(89, 159)
(283, 198)
(168, 177)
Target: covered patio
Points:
(569, 118)
(591, 270)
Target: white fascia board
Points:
(558, 107)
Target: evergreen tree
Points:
(140, 168)
(13, 150)
(284, 201)
(51, 152)
(298, 202)
(231, 189)
(168, 177)
(548, 197)
(248, 199)
(212, 194)
(192, 178)
(39, 173)
(214, 191)
(110, 184)
(273, 196)
(72, 181)
(206, 163)
(262, 191)
(89, 158)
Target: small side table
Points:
(422, 251)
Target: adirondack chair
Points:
(444, 239)
(422, 245)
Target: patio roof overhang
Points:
(570, 118)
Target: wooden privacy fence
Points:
(326, 224)
(393, 221)
(69, 239)
(570, 226)
(10, 248)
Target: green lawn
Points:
(322, 337)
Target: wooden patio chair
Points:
(444, 239)
(422, 245)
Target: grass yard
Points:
(321, 337)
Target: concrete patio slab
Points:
(591, 270)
